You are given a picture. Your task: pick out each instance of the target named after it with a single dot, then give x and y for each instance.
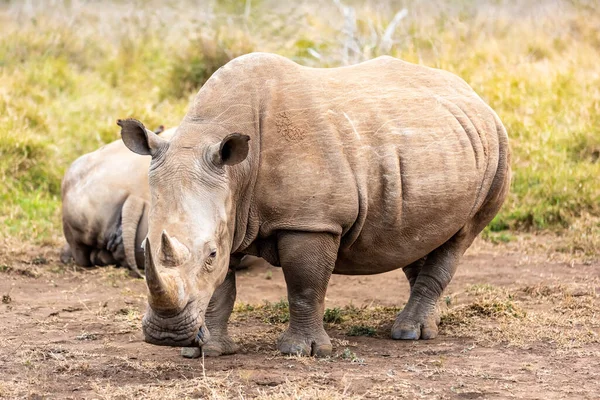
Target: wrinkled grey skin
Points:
(105, 203)
(355, 170)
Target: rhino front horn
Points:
(164, 293)
(172, 251)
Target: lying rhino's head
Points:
(189, 228)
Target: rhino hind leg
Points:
(217, 316)
(429, 324)
(131, 217)
(419, 318)
(429, 277)
(412, 271)
(307, 260)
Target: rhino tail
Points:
(131, 215)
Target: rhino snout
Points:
(182, 330)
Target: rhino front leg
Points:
(428, 278)
(131, 215)
(307, 260)
(217, 317)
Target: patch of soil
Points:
(76, 333)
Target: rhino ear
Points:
(139, 139)
(232, 150)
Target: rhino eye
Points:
(211, 258)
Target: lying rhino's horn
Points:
(163, 289)
(172, 251)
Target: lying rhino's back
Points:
(95, 187)
(394, 156)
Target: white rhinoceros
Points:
(105, 202)
(354, 170)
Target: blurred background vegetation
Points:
(69, 69)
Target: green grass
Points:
(333, 316)
(271, 313)
(68, 73)
(361, 330)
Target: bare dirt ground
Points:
(517, 323)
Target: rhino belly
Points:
(405, 224)
(382, 250)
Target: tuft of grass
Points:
(481, 288)
(361, 330)
(364, 321)
(351, 356)
(276, 313)
(271, 313)
(555, 315)
(490, 302)
(333, 316)
(39, 260)
(497, 237)
(494, 309)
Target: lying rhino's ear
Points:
(139, 139)
(232, 150)
(159, 130)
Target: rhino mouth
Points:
(185, 329)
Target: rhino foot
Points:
(315, 344)
(115, 239)
(219, 345)
(414, 328)
(66, 255)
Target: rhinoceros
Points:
(105, 202)
(354, 170)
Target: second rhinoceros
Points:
(355, 170)
(105, 202)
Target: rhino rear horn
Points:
(172, 251)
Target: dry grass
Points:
(562, 316)
(556, 315)
(71, 70)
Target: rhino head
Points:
(190, 227)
